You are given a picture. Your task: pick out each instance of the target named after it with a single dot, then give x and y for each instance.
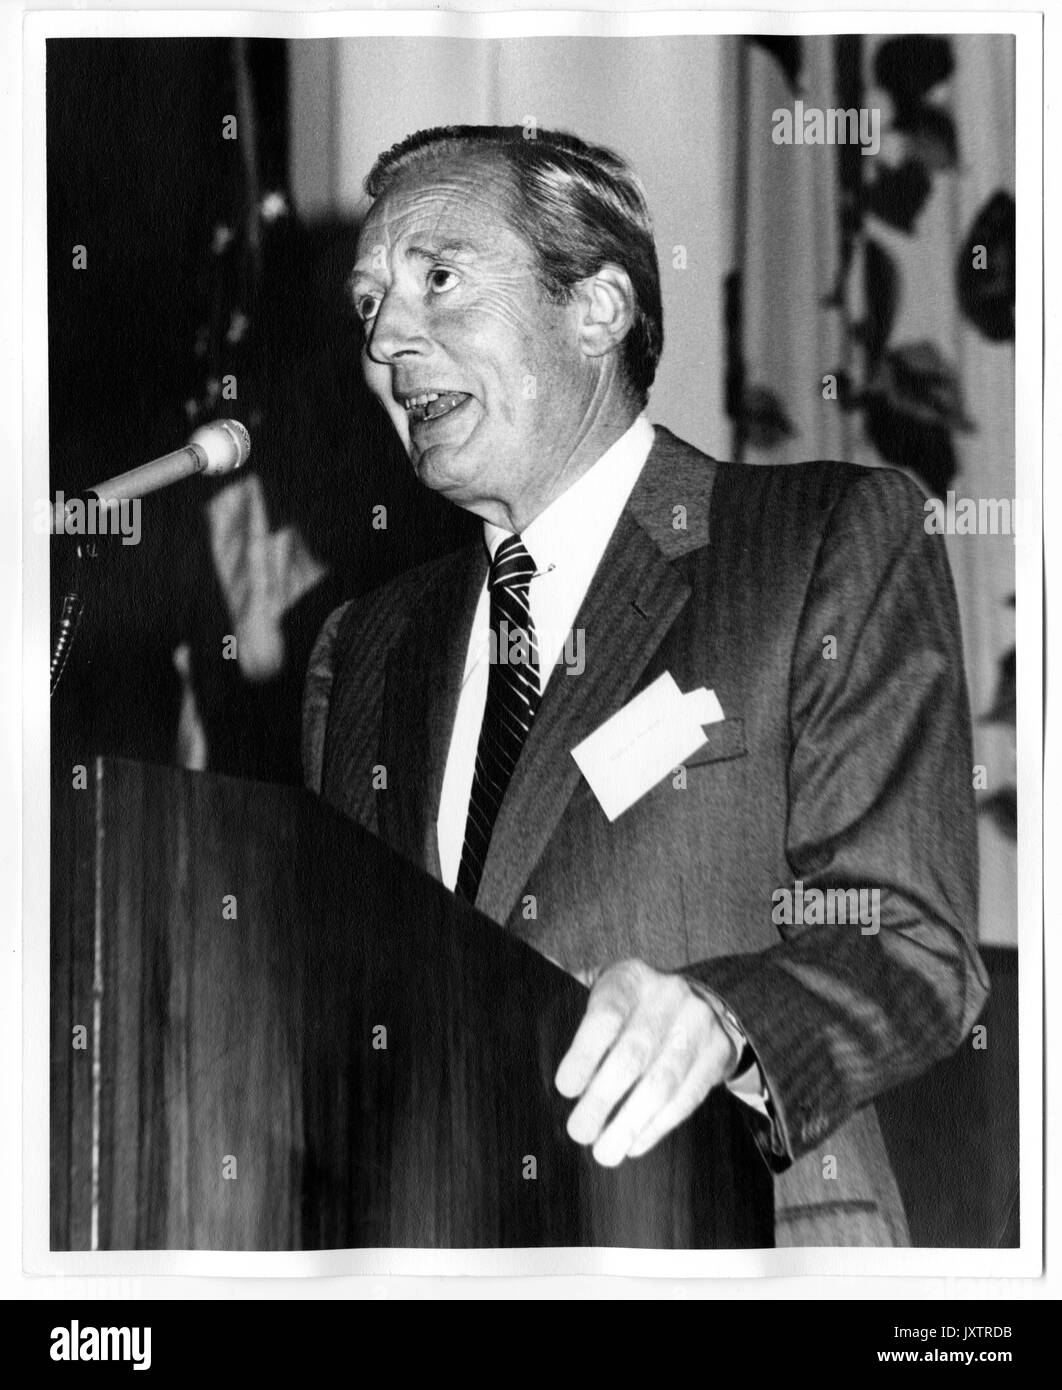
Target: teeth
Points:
(412, 402)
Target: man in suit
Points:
(510, 297)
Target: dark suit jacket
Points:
(844, 763)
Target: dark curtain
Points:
(199, 268)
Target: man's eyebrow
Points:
(458, 250)
(445, 248)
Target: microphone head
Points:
(225, 444)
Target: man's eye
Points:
(440, 280)
(366, 306)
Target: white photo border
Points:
(1011, 1265)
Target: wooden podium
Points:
(269, 1032)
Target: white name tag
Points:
(644, 741)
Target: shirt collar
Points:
(588, 511)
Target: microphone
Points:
(219, 447)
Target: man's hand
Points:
(649, 1031)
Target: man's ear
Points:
(605, 309)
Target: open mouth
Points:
(432, 405)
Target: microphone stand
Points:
(88, 553)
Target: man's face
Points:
(482, 375)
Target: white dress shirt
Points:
(566, 542)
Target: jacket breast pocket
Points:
(726, 739)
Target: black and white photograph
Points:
(537, 536)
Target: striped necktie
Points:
(512, 700)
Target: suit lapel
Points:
(634, 598)
(421, 690)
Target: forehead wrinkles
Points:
(441, 210)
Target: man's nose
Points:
(397, 330)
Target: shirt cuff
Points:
(746, 1083)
